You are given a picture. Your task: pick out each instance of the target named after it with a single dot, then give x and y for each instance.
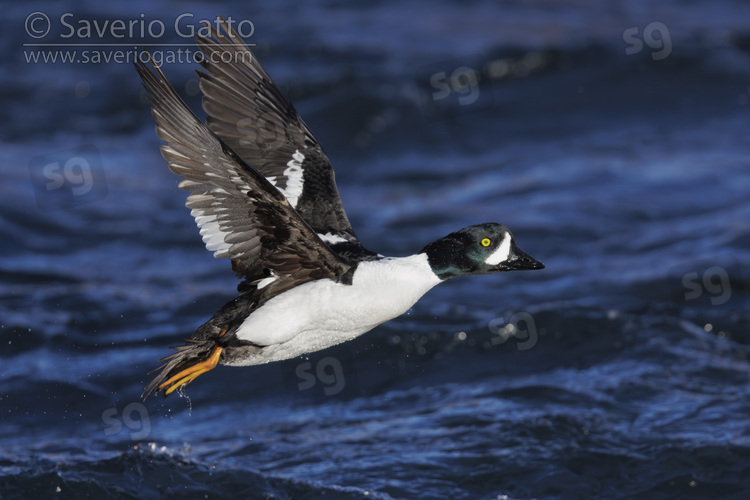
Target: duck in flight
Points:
(263, 194)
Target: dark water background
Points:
(612, 137)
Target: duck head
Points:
(479, 249)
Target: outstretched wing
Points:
(249, 113)
(241, 215)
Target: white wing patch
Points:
(266, 281)
(293, 175)
(501, 254)
(332, 239)
(211, 232)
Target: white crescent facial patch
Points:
(501, 254)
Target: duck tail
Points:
(194, 358)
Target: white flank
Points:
(213, 236)
(323, 313)
(293, 175)
(501, 254)
(332, 239)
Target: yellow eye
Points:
(486, 242)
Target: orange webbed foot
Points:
(189, 374)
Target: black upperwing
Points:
(241, 215)
(249, 113)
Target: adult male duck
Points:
(263, 193)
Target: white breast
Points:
(323, 313)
